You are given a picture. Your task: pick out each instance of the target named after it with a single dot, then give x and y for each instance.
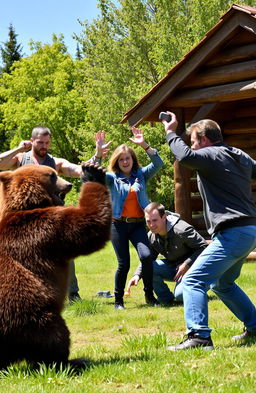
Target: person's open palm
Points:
(101, 144)
(138, 137)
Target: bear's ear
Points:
(6, 177)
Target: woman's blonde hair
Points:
(113, 162)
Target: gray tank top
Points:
(27, 159)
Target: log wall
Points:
(223, 89)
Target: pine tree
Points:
(11, 51)
(78, 52)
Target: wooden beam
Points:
(248, 24)
(244, 141)
(193, 185)
(182, 191)
(154, 116)
(198, 221)
(230, 92)
(245, 109)
(232, 55)
(224, 74)
(196, 203)
(181, 122)
(225, 112)
(241, 126)
(251, 152)
(205, 111)
(190, 63)
(182, 180)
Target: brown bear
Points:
(38, 236)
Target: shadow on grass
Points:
(174, 304)
(117, 359)
(24, 370)
(249, 343)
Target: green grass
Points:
(125, 350)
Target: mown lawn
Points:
(125, 350)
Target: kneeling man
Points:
(178, 242)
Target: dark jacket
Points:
(182, 243)
(224, 176)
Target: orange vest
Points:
(131, 207)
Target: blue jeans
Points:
(217, 268)
(122, 233)
(164, 271)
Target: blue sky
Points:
(38, 20)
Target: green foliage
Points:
(85, 307)
(43, 371)
(126, 50)
(11, 51)
(147, 343)
(42, 90)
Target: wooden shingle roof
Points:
(217, 77)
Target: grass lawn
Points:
(126, 349)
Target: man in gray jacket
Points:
(178, 242)
(224, 175)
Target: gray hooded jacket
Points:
(182, 244)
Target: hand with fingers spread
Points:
(138, 137)
(102, 147)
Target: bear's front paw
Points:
(93, 173)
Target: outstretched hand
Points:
(138, 137)
(133, 281)
(101, 145)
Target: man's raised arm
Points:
(10, 158)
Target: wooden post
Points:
(182, 179)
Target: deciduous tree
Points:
(43, 90)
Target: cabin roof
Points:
(198, 83)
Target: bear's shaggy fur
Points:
(37, 239)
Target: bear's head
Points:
(31, 187)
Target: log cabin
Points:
(216, 80)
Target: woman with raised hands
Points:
(127, 182)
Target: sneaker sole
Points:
(173, 348)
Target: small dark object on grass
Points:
(104, 294)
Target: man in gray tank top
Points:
(27, 159)
(35, 151)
